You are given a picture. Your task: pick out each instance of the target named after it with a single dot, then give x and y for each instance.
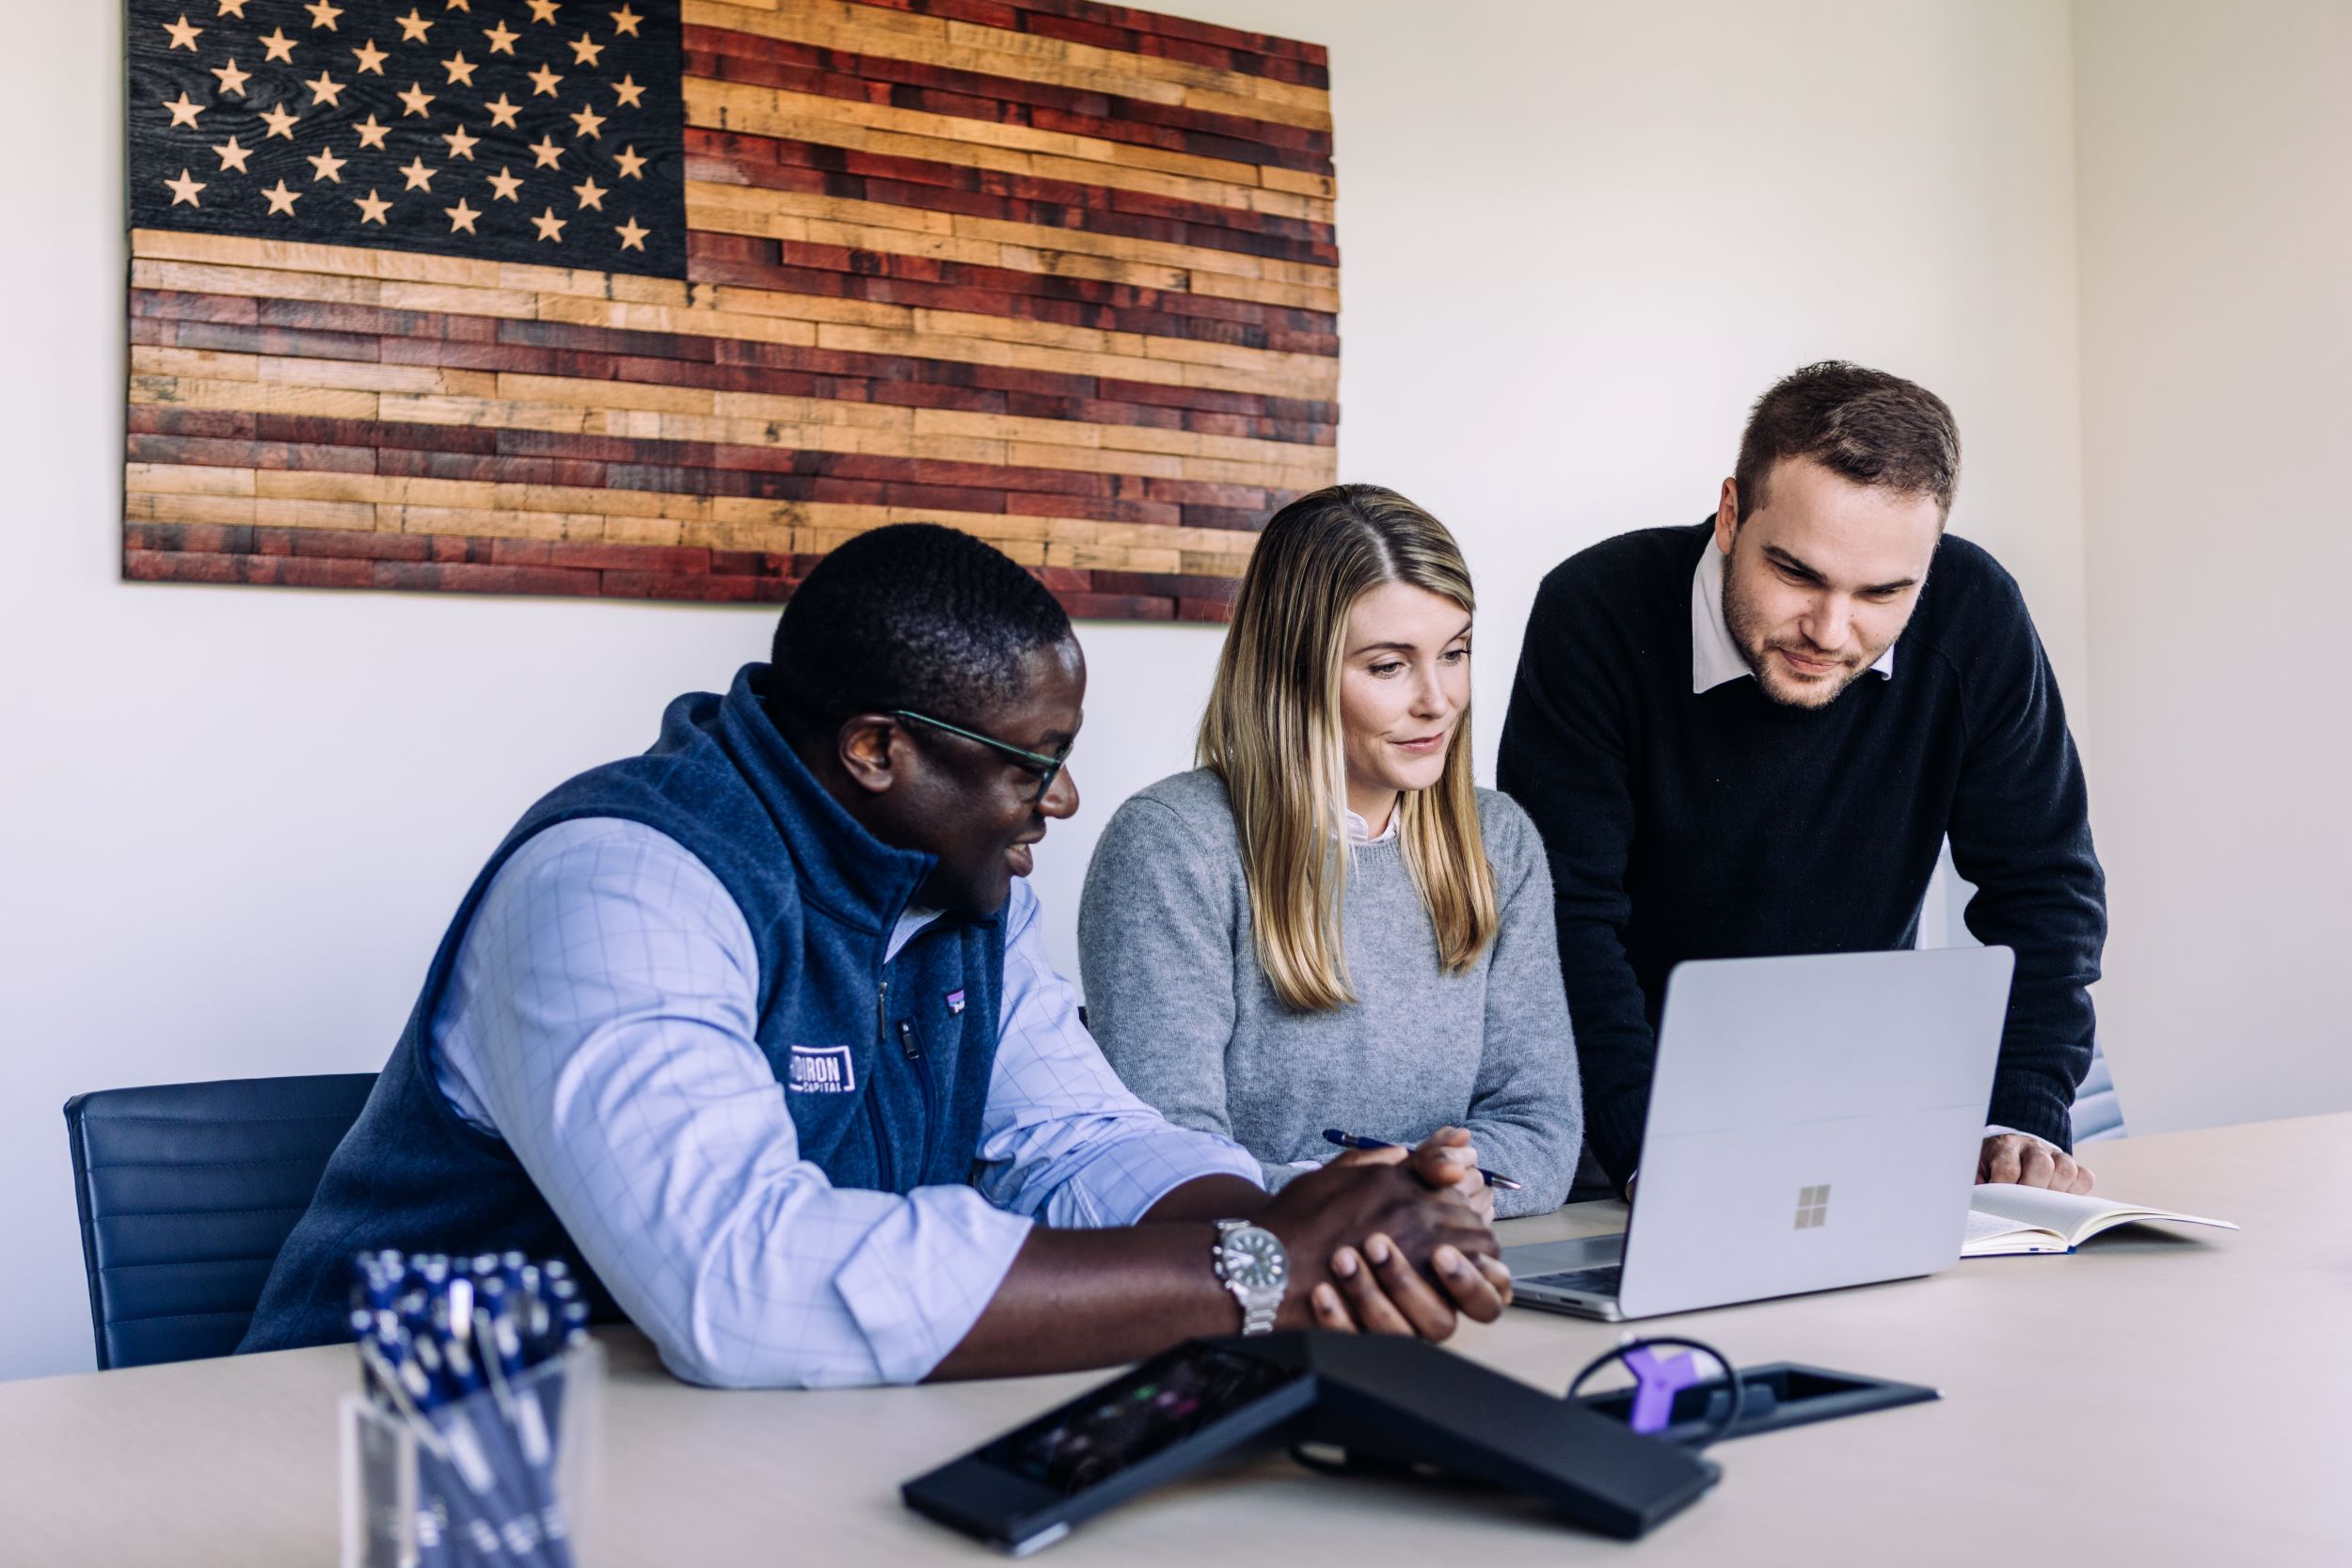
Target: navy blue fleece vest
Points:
(885, 1066)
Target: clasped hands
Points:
(1392, 1240)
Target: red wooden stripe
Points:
(1137, 32)
(835, 273)
(186, 552)
(723, 54)
(777, 164)
(410, 336)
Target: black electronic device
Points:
(1390, 1401)
(1784, 1394)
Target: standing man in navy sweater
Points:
(1752, 737)
(755, 1030)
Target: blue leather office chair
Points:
(2098, 1114)
(187, 1191)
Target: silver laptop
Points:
(1814, 1123)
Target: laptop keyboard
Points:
(1601, 1281)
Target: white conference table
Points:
(2157, 1398)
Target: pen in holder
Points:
(476, 1437)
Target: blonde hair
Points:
(1272, 732)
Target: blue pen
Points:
(1353, 1140)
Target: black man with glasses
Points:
(755, 1030)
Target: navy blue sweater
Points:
(1725, 825)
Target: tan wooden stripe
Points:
(716, 207)
(769, 315)
(986, 144)
(381, 503)
(1025, 56)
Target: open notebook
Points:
(2004, 1219)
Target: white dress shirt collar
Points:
(1715, 658)
(1359, 831)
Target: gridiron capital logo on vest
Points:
(821, 1070)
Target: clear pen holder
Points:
(507, 1476)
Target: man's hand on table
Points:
(1385, 1242)
(2030, 1163)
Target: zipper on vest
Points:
(914, 1049)
(889, 1170)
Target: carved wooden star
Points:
(543, 82)
(462, 216)
(632, 236)
(329, 166)
(503, 111)
(233, 7)
(371, 58)
(234, 156)
(460, 70)
(585, 50)
(371, 208)
(632, 167)
(549, 154)
(324, 89)
(280, 121)
(184, 189)
(184, 109)
(417, 99)
(277, 46)
(413, 28)
(625, 21)
(182, 36)
(504, 183)
(502, 38)
(460, 144)
(322, 14)
(281, 198)
(590, 122)
(543, 11)
(371, 132)
(231, 79)
(419, 177)
(590, 194)
(549, 226)
(632, 94)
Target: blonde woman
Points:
(1326, 924)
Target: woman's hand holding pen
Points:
(1445, 1159)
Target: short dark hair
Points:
(1866, 426)
(908, 616)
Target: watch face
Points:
(1255, 1261)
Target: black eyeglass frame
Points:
(1046, 769)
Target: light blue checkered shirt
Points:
(600, 1019)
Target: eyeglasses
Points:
(1046, 769)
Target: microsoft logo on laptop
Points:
(1812, 1206)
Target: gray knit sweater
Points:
(1175, 995)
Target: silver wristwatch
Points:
(1251, 1262)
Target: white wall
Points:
(2216, 309)
(1577, 239)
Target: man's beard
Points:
(1741, 620)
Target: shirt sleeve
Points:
(2021, 833)
(1526, 1116)
(1062, 1138)
(1565, 759)
(601, 1020)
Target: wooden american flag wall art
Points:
(645, 300)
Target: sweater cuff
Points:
(2029, 1104)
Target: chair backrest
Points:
(187, 1191)
(2098, 1114)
